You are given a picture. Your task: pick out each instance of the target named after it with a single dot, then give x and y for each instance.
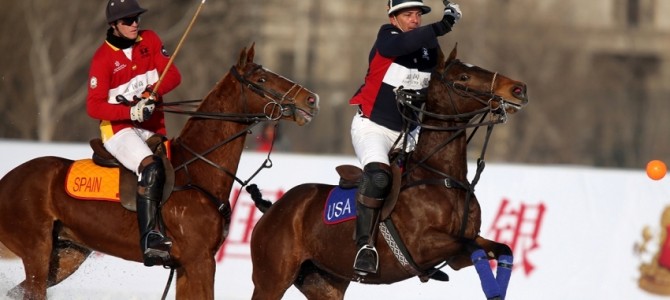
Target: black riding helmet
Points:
(396, 5)
(117, 9)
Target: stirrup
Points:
(157, 249)
(158, 259)
(362, 264)
(156, 240)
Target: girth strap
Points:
(392, 238)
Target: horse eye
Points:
(261, 80)
(465, 77)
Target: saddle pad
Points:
(340, 206)
(87, 181)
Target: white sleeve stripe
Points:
(134, 87)
(398, 75)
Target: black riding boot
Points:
(367, 259)
(155, 246)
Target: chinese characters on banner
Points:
(519, 227)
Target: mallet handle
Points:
(181, 41)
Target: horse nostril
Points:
(313, 101)
(519, 91)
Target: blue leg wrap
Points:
(504, 273)
(489, 284)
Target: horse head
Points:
(276, 96)
(460, 96)
(463, 90)
(246, 96)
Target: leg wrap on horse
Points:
(155, 246)
(504, 273)
(489, 284)
(374, 187)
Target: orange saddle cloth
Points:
(87, 181)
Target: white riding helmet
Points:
(396, 5)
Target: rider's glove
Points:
(452, 13)
(142, 110)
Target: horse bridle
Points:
(276, 100)
(487, 99)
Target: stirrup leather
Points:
(360, 270)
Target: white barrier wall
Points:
(574, 232)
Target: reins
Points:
(409, 110)
(274, 109)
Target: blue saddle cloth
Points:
(340, 206)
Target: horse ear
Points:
(251, 53)
(452, 55)
(242, 61)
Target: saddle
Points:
(127, 178)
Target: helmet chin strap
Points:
(398, 24)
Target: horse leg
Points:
(65, 260)
(505, 258)
(36, 266)
(481, 263)
(315, 284)
(273, 271)
(195, 279)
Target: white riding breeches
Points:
(129, 147)
(372, 142)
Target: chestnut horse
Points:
(53, 233)
(436, 215)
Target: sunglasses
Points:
(130, 20)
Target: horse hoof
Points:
(439, 276)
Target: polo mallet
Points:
(176, 50)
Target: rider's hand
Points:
(142, 110)
(452, 13)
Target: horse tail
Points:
(262, 204)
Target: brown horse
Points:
(53, 233)
(436, 215)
